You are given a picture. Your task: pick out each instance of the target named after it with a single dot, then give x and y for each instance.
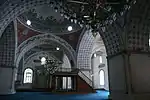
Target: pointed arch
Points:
(45, 39)
(112, 38)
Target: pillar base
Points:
(121, 96)
(12, 91)
(7, 81)
(140, 96)
(109, 97)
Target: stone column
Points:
(7, 76)
(129, 70)
(139, 71)
(119, 80)
(129, 76)
(92, 71)
(20, 72)
(7, 59)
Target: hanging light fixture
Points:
(94, 12)
(50, 67)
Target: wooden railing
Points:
(85, 78)
(79, 72)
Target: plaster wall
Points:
(117, 74)
(66, 61)
(140, 72)
(96, 72)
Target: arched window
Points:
(102, 77)
(149, 42)
(28, 73)
(100, 59)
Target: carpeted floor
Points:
(100, 95)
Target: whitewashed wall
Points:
(96, 74)
(99, 50)
(66, 62)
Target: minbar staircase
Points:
(82, 84)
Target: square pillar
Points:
(129, 76)
(118, 77)
(7, 82)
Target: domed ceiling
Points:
(46, 19)
(57, 15)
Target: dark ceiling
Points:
(2, 2)
(56, 16)
(46, 20)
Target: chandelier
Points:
(50, 67)
(92, 13)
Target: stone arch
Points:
(84, 52)
(137, 28)
(114, 43)
(45, 39)
(28, 60)
(112, 40)
(13, 8)
(41, 52)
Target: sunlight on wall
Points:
(102, 80)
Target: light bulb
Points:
(57, 48)
(28, 22)
(69, 28)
